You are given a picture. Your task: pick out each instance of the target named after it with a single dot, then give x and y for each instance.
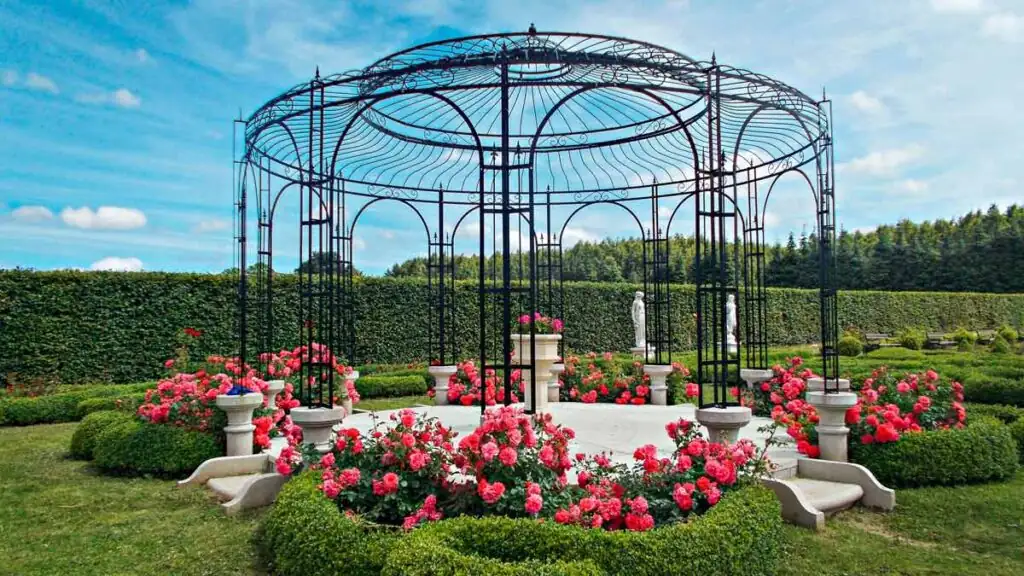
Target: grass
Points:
(59, 517)
(378, 404)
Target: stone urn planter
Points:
(317, 424)
(239, 408)
(441, 375)
(546, 349)
(274, 387)
(346, 400)
(553, 386)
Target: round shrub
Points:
(912, 338)
(84, 439)
(136, 448)
(964, 339)
(1005, 414)
(1008, 333)
(124, 403)
(981, 452)
(305, 534)
(850, 346)
(1000, 345)
(989, 390)
(1017, 431)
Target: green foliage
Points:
(1005, 414)
(964, 338)
(390, 386)
(981, 452)
(1000, 345)
(1008, 333)
(991, 390)
(129, 403)
(60, 407)
(121, 327)
(137, 448)
(84, 440)
(912, 338)
(305, 534)
(1017, 431)
(850, 346)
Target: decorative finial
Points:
(533, 29)
(318, 72)
(714, 59)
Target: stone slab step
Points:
(784, 468)
(828, 497)
(229, 487)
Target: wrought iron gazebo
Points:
(515, 134)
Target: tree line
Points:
(982, 251)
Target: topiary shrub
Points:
(136, 448)
(390, 386)
(912, 338)
(850, 346)
(1000, 345)
(1008, 333)
(84, 439)
(1005, 414)
(1017, 431)
(964, 339)
(981, 452)
(305, 534)
(60, 407)
(990, 390)
(128, 403)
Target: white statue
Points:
(730, 323)
(639, 320)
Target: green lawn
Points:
(377, 404)
(58, 517)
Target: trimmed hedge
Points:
(993, 390)
(388, 386)
(981, 452)
(128, 403)
(62, 407)
(84, 439)
(133, 447)
(1005, 414)
(305, 534)
(1017, 431)
(120, 327)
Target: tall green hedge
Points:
(119, 327)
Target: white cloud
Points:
(865, 102)
(32, 214)
(104, 218)
(142, 56)
(913, 186)
(571, 236)
(121, 97)
(1004, 26)
(117, 264)
(9, 78)
(211, 225)
(957, 5)
(771, 220)
(884, 162)
(40, 82)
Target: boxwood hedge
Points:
(132, 447)
(64, 406)
(120, 327)
(305, 534)
(388, 386)
(983, 451)
(83, 441)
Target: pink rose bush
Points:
(466, 386)
(413, 471)
(887, 408)
(542, 324)
(603, 379)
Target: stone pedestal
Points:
(441, 375)
(546, 347)
(754, 376)
(553, 387)
(832, 431)
(239, 430)
(316, 424)
(641, 352)
(274, 387)
(346, 400)
(724, 424)
(659, 388)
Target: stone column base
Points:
(833, 434)
(239, 430)
(659, 388)
(441, 375)
(553, 386)
(641, 352)
(317, 424)
(346, 400)
(754, 376)
(724, 424)
(274, 387)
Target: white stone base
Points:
(659, 388)
(754, 376)
(274, 387)
(346, 401)
(239, 430)
(316, 424)
(441, 375)
(724, 424)
(641, 352)
(553, 387)
(831, 406)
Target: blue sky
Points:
(116, 116)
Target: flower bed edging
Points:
(304, 534)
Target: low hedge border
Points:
(986, 389)
(83, 441)
(305, 534)
(981, 452)
(61, 407)
(1001, 412)
(391, 386)
(134, 448)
